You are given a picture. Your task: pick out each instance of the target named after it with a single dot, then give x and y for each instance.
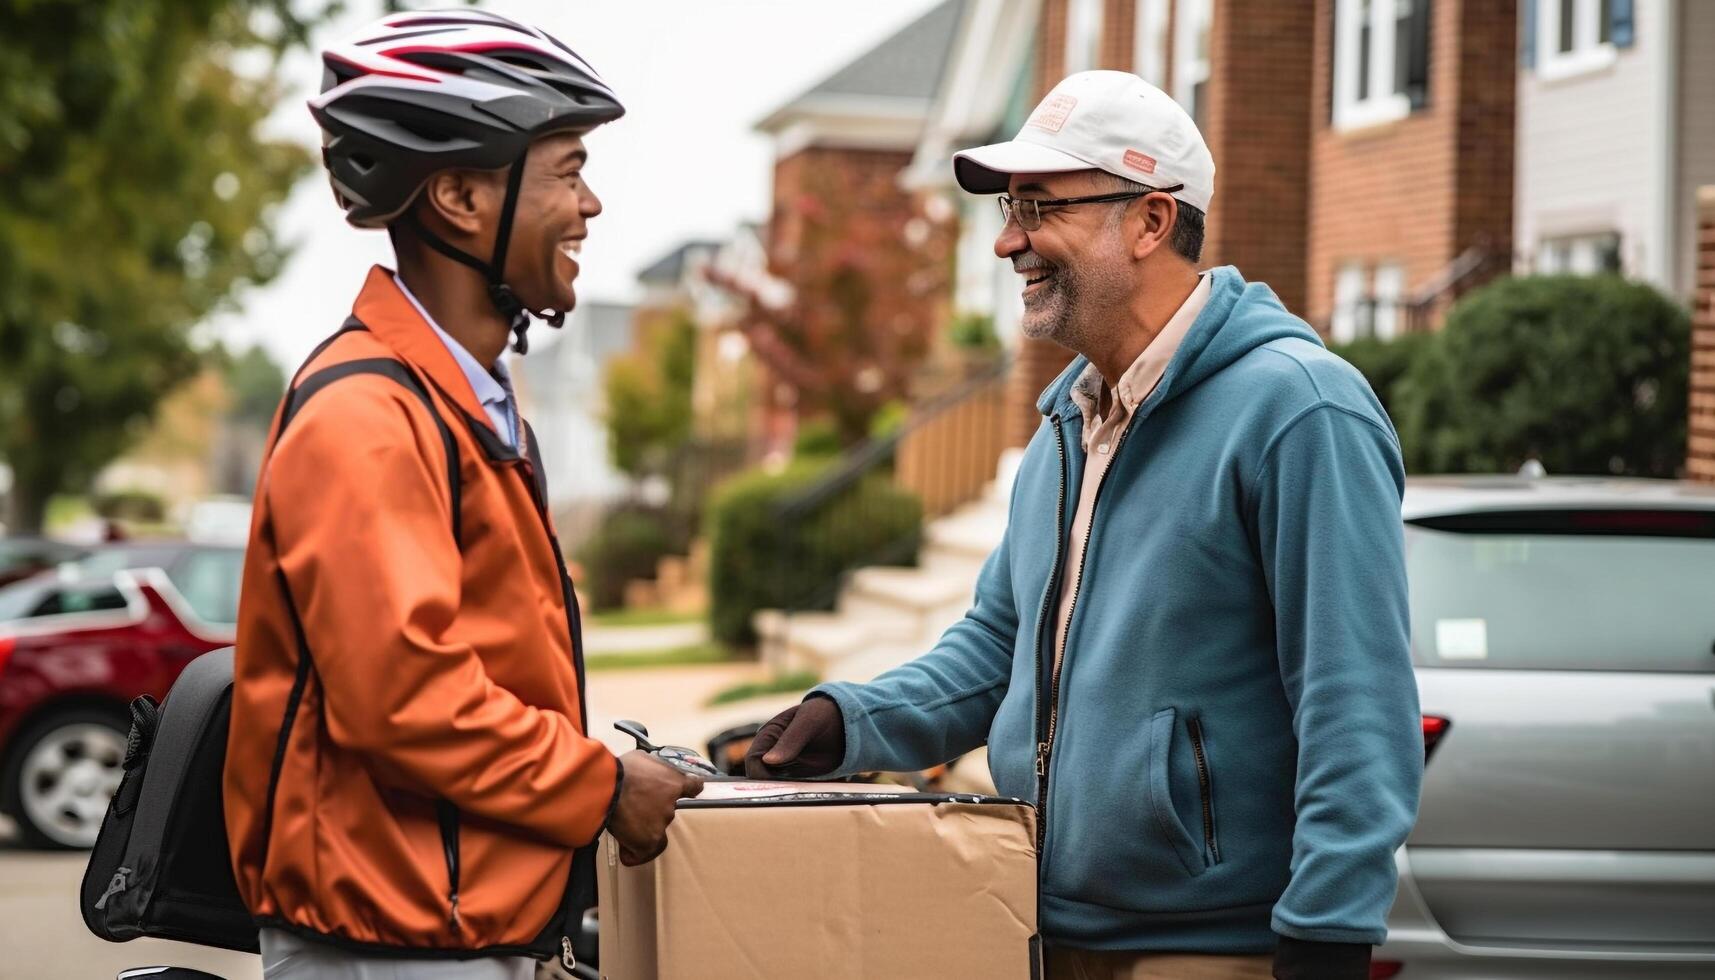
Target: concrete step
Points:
(906, 604)
(809, 641)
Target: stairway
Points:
(888, 615)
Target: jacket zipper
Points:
(448, 816)
(1048, 595)
(1045, 748)
(574, 630)
(1204, 790)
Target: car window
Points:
(1609, 592)
(209, 579)
(20, 599)
(79, 599)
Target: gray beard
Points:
(1068, 308)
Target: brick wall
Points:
(1258, 130)
(1700, 459)
(1039, 362)
(1119, 33)
(1418, 190)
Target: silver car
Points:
(1564, 636)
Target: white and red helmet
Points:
(416, 93)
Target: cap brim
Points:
(988, 169)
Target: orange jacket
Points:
(435, 776)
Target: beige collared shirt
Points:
(1102, 434)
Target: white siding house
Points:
(1616, 123)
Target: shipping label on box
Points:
(840, 881)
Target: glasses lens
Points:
(1026, 213)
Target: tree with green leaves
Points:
(648, 395)
(1585, 374)
(136, 198)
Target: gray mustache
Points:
(1029, 261)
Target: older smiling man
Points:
(1198, 667)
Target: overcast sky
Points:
(683, 163)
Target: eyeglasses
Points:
(1028, 211)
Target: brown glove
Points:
(805, 740)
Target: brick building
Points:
(839, 149)
(1364, 167)
(1700, 461)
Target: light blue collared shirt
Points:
(493, 389)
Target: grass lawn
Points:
(696, 653)
(800, 680)
(643, 617)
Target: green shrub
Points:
(757, 560)
(1384, 362)
(973, 331)
(889, 419)
(1586, 374)
(627, 546)
(130, 505)
(817, 438)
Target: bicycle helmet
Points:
(417, 93)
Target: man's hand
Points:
(807, 739)
(649, 795)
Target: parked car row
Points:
(76, 645)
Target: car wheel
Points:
(61, 773)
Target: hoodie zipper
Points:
(1048, 595)
(1205, 790)
(448, 816)
(1045, 748)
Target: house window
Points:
(1579, 255)
(1349, 308)
(1083, 34)
(1381, 60)
(1149, 60)
(1368, 302)
(1191, 56)
(1575, 36)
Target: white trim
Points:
(1149, 42)
(1193, 24)
(1588, 54)
(1383, 104)
(1664, 265)
(1083, 35)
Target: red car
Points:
(76, 645)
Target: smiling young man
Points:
(411, 786)
(1197, 667)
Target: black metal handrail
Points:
(824, 513)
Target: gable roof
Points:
(901, 74)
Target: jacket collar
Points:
(394, 319)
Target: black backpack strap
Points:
(296, 397)
(395, 370)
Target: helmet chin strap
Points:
(516, 314)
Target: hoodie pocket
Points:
(1165, 815)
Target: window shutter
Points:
(1417, 55)
(1620, 23)
(1527, 34)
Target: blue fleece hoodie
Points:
(1237, 747)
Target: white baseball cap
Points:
(1100, 120)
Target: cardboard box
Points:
(827, 881)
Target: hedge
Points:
(759, 561)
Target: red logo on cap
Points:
(1140, 161)
(1052, 113)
